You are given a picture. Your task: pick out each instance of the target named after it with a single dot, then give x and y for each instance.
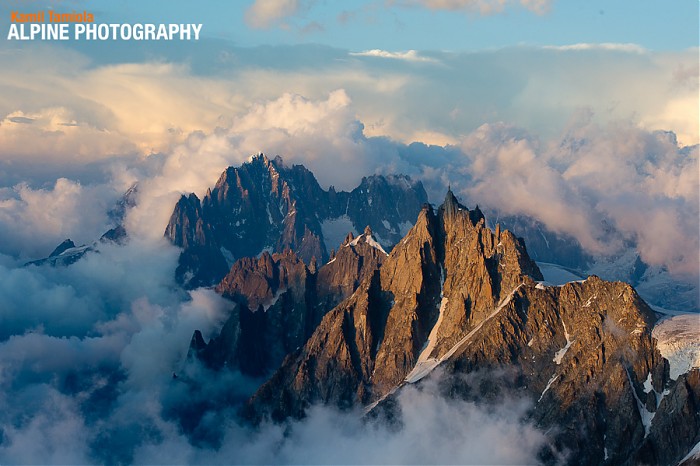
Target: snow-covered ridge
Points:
(369, 240)
(678, 340)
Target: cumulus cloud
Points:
(82, 112)
(604, 186)
(589, 178)
(87, 352)
(263, 13)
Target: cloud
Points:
(588, 177)
(607, 46)
(87, 352)
(34, 221)
(409, 55)
(603, 186)
(54, 433)
(432, 429)
(484, 7)
(85, 112)
(263, 13)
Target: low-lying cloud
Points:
(93, 369)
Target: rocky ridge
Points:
(279, 302)
(263, 205)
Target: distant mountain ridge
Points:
(263, 205)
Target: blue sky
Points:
(403, 25)
(652, 24)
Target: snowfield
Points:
(557, 275)
(678, 340)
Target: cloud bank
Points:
(596, 175)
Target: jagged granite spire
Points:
(450, 205)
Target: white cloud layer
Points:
(484, 7)
(81, 112)
(594, 175)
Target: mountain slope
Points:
(454, 294)
(404, 302)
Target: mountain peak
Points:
(259, 157)
(265, 205)
(64, 246)
(451, 205)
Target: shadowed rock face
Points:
(279, 302)
(264, 205)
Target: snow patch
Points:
(369, 240)
(646, 415)
(425, 363)
(73, 251)
(590, 301)
(427, 368)
(549, 384)
(648, 386)
(678, 340)
(560, 354)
